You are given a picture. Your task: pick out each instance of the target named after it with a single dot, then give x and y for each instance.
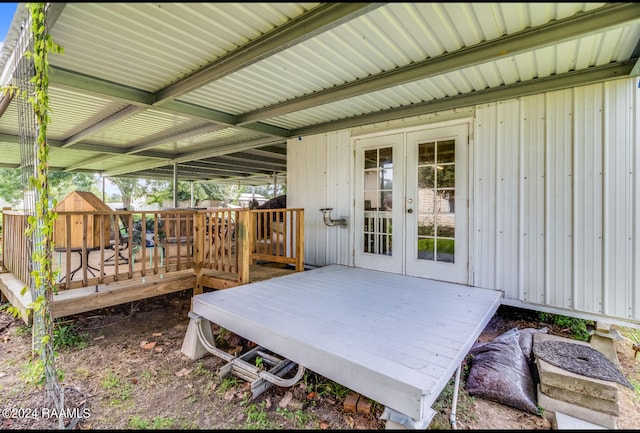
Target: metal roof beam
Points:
(128, 111)
(311, 23)
(530, 87)
(225, 149)
(91, 147)
(527, 40)
(90, 85)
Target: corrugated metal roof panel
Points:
(144, 126)
(150, 45)
(392, 36)
(210, 140)
(73, 111)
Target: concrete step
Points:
(562, 421)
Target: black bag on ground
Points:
(500, 372)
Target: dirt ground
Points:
(132, 375)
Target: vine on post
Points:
(41, 221)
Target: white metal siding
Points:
(306, 188)
(318, 176)
(569, 175)
(587, 198)
(555, 204)
(338, 196)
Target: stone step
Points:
(582, 413)
(599, 404)
(562, 421)
(561, 379)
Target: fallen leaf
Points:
(324, 425)
(311, 395)
(99, 337)
(183, 372)
(286, 400)
(246, 386)
(213, 386)
(230, 394)
(150, 345)
(267, 403)
(134, 381)
(158, 349)
(157, 334)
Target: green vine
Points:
(41, 224)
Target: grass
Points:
(258, 418)
(120, 391)
(442, 406)
(227, 383)
(66, 336)
(578, 327)
(159, 422)
(301, 418)
(202, 370)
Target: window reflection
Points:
(436, 198)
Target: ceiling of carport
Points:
(214, 90)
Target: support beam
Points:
(531, 87)
(579, 25)
(310, 24)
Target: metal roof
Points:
(218, 88)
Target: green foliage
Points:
(300, 417)
(66, 336)
(578, 327)
(120, 391)
(11, 188)
(138, 423)
(228, 383)
(129, 189)
(33, 372)
(259, 362)
(257, 418)
(110, 380)
(327, 387)
(442, 406)
(202, 370)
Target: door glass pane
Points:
(370, 159)
(436, 197)
(446, 151)
(378, 201)
(426, 248)
(445, 250)
(427, 153)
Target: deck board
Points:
(393, 338)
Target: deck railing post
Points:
(198, 254)
(300, 240)
(245, 244)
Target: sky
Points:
(6, 15)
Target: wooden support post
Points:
(300, 241)
(245, 244)
(198, 258)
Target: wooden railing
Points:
(92, 248)
(16, 250)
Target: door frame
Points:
(357, 183)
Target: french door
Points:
(411, 203)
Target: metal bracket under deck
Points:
(241, 366)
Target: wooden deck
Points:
(96, 265)
(79, 300)
(395, 339)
